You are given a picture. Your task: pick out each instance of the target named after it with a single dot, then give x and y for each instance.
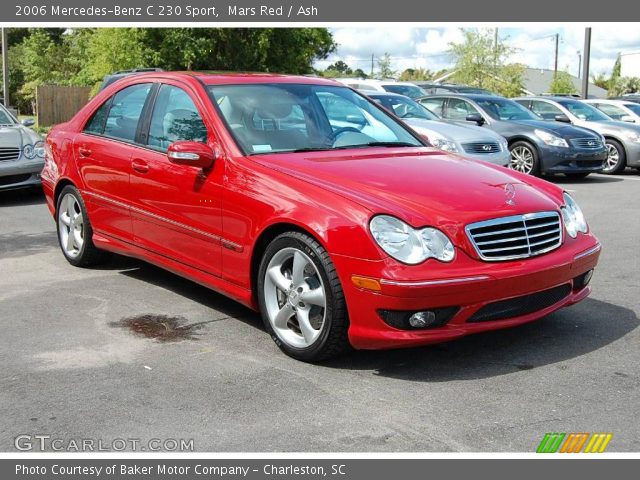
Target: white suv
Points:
(403, 88)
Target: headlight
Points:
(28, 151)
(443, 144)
(551, 139)
(39, 149)
(409, 245)
(632, 135)
(573, 217)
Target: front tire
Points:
(524, 158)
(301, 299)
(616, 158)
(74, 230)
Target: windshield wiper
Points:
(379, 144)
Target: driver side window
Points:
(545, 110)
(459, 109)
(175, 117)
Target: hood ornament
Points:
(510, 193)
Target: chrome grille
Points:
(588, 143)
(518, 236)
(481, 147)
(9, 153)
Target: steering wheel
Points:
(334, 136)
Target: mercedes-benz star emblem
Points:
(510, 193)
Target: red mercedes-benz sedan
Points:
(304, 200)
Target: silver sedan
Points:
(21, 153)
(469, 141)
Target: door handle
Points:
(84, 152)
(139, 165)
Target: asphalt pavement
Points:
(77, 363)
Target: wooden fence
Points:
(57, 104)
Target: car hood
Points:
(559, 128)
(422, 186)
(17, 136)
(614, 126)
(452, 131)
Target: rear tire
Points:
(301, 299)
(616, 159)
(524, 158)
(74, 230)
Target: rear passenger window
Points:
(125, 111)
(97, 121)
(175, 117)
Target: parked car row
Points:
(545, 134)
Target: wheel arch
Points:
(264, 239)
(59, 186)
(613, 137)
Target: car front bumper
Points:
(465, 286)
(502, 158)
(20, 173)
(572, 160)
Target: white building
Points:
(630, 64)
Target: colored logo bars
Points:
(573, 442)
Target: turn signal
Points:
(366, 283)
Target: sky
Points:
(426, 47)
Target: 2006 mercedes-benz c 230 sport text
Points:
(304, 200)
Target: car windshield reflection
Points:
(279, 118)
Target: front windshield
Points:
(634, 107)
(584, 111)
(405, 107)
(411, 91)
(287, 117)
(503, 109)
(5, 117)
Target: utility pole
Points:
(371, 76)
(579, 63)
(5, 67)
(555, 67)
(495, 52)
(585, 64)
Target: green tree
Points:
(601, 80)
(384, 67)
(410, 74)
(481, 62)
(624, 85)
(41, 62)
(562, 83)
(341, 68)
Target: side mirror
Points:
(195, 154)
(475, 117)
(628, 118)
(28, 122)
(562, 118)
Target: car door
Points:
(103, 154)
(176, 209)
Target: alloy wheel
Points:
(522, 160)
(71, 225)
(295, 297)
(613, 157)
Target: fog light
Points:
(422, 319)
(587, 277)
